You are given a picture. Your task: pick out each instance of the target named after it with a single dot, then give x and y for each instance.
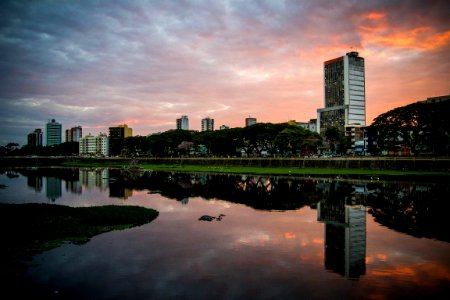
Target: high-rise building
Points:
(35, 138)
(345, 98)
(183, 123)
(207, 124)
(94, 145)
(250, 121)
(74, 134)
(117, 137)
(53, 133)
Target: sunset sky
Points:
(145, 63)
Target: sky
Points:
(98, 64)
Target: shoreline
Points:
(366, 166)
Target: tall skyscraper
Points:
(250, 121)
(183, 123)
(53, 133)
(207, 124)
(74, 134)
(345, 98)
(35, 138)
(117, 136)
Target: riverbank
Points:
(439, 164)
(29, 229)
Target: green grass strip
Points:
(264, 170)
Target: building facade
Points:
(207, 124)
(94, 145)
(250, 121)
(117, 137)
(74, 134)
(344, 90)
(183, 123)
(35, 138)
(356, 137)
(53, 133)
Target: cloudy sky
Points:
(145, 63)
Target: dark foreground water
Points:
(271, 238)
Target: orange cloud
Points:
(374, 16)
(376, 29)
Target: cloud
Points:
(97, 64)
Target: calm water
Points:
(278, 238)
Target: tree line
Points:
(419, 128)
(261, 139)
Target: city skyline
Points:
(147, 63)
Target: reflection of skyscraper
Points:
(119, 191)
(73, 186)
(345, 237)
(91, 178)
(53, 188)
(35, 182)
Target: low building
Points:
(207, 124)
(35, 138)
(183, 123)
(250, 121)
(53, 133)
(356, 136)
(74, 134)
(94, 145)
(117, 136)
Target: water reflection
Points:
(283, 232)
(344, 216)
(53, 188)
(418, 209)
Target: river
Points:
(266, 237)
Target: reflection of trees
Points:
(412, 208)
(261, 192)
(416, 209)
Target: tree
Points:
(420, 127)
(333, 136)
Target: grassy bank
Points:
(28, 229)
(285, 171)
(294, 171)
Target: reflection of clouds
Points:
(289, 235)
(382, 257)
(254, 238)
(318, 241)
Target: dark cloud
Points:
(101, 63)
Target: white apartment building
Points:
(94, 145)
